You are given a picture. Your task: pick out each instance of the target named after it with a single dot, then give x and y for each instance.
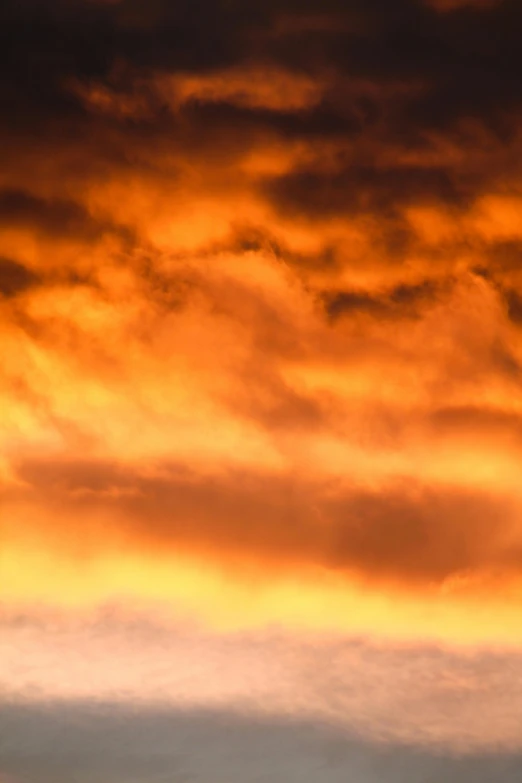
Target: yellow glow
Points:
(230, 596)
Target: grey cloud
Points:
(93, 742)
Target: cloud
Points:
(411, 699)
(260, 286)
(260, 328)
(14, 277)
(400, 532)
(111, 741)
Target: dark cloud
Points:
(403, 532)
(320, 122)
(58, 218)
(467, 62)
(423, 535)
(401, 301)
(514, 304)
(15, 278)
(392, 78)
(54, 742)
(362, 189)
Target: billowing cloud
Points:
(260, 298)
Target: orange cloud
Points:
(260, 309)
(250, 87)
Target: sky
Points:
(260, 391)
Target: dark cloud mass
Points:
(110, 740)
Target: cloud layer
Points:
(260, 292)
(451, 701)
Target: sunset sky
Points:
(261, 391)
